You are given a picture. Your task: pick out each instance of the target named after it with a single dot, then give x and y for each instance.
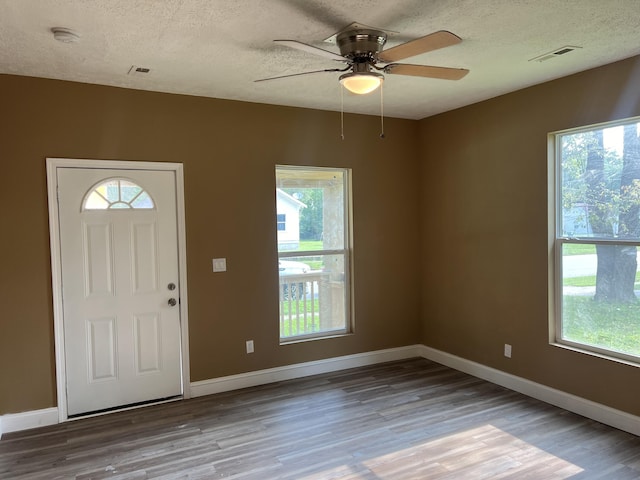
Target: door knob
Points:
(172, 302)
(171, 286)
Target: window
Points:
(117, 193)
(313, 252)
(597, 234)
(282, 222)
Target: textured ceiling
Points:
(217, 48)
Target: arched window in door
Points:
(117, 193)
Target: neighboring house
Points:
(288, 218)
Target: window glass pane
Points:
(110, 190)
(142, 201)
(313, 202)
(128, 191)
(96, 202)
(312, 295)
(599, 306)
(117, 194)
(600, 174)
(119, 205)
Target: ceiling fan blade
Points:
(430, 42)
(299, 74)
(444, 73)
(311, 49)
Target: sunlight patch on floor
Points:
(482, 452)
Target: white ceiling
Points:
(217, 48)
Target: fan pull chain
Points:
(341, 112)
(381, 111)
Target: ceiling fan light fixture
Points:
(361, 83)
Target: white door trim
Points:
(56, 266)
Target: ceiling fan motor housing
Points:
(361, 44)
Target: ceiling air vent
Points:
(134, 70)
(555, 53)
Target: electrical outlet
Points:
(249, 346)
(507, 350)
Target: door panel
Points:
(147, 343)
(98, 260)
(101, 348)
(145, 259)
(121, 336)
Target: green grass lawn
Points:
(295, 322)
(578, 249)
(610, 326)
(291, 327)
(606, 325)
(590, 281)
(310, 245)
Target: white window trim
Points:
(554, 250)
(346, 252)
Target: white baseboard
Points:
(299, 370)
(13, 422)
(596, 411)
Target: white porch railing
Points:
(304, 300)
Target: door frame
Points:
(56, 262)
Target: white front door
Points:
(120, 287)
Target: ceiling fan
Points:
(361, 48)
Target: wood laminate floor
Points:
(411, 419)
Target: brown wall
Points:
(467, 188)
(485, 244)
(229, 150)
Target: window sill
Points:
(592, 353)
(311, 339)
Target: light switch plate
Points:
(219, 264)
